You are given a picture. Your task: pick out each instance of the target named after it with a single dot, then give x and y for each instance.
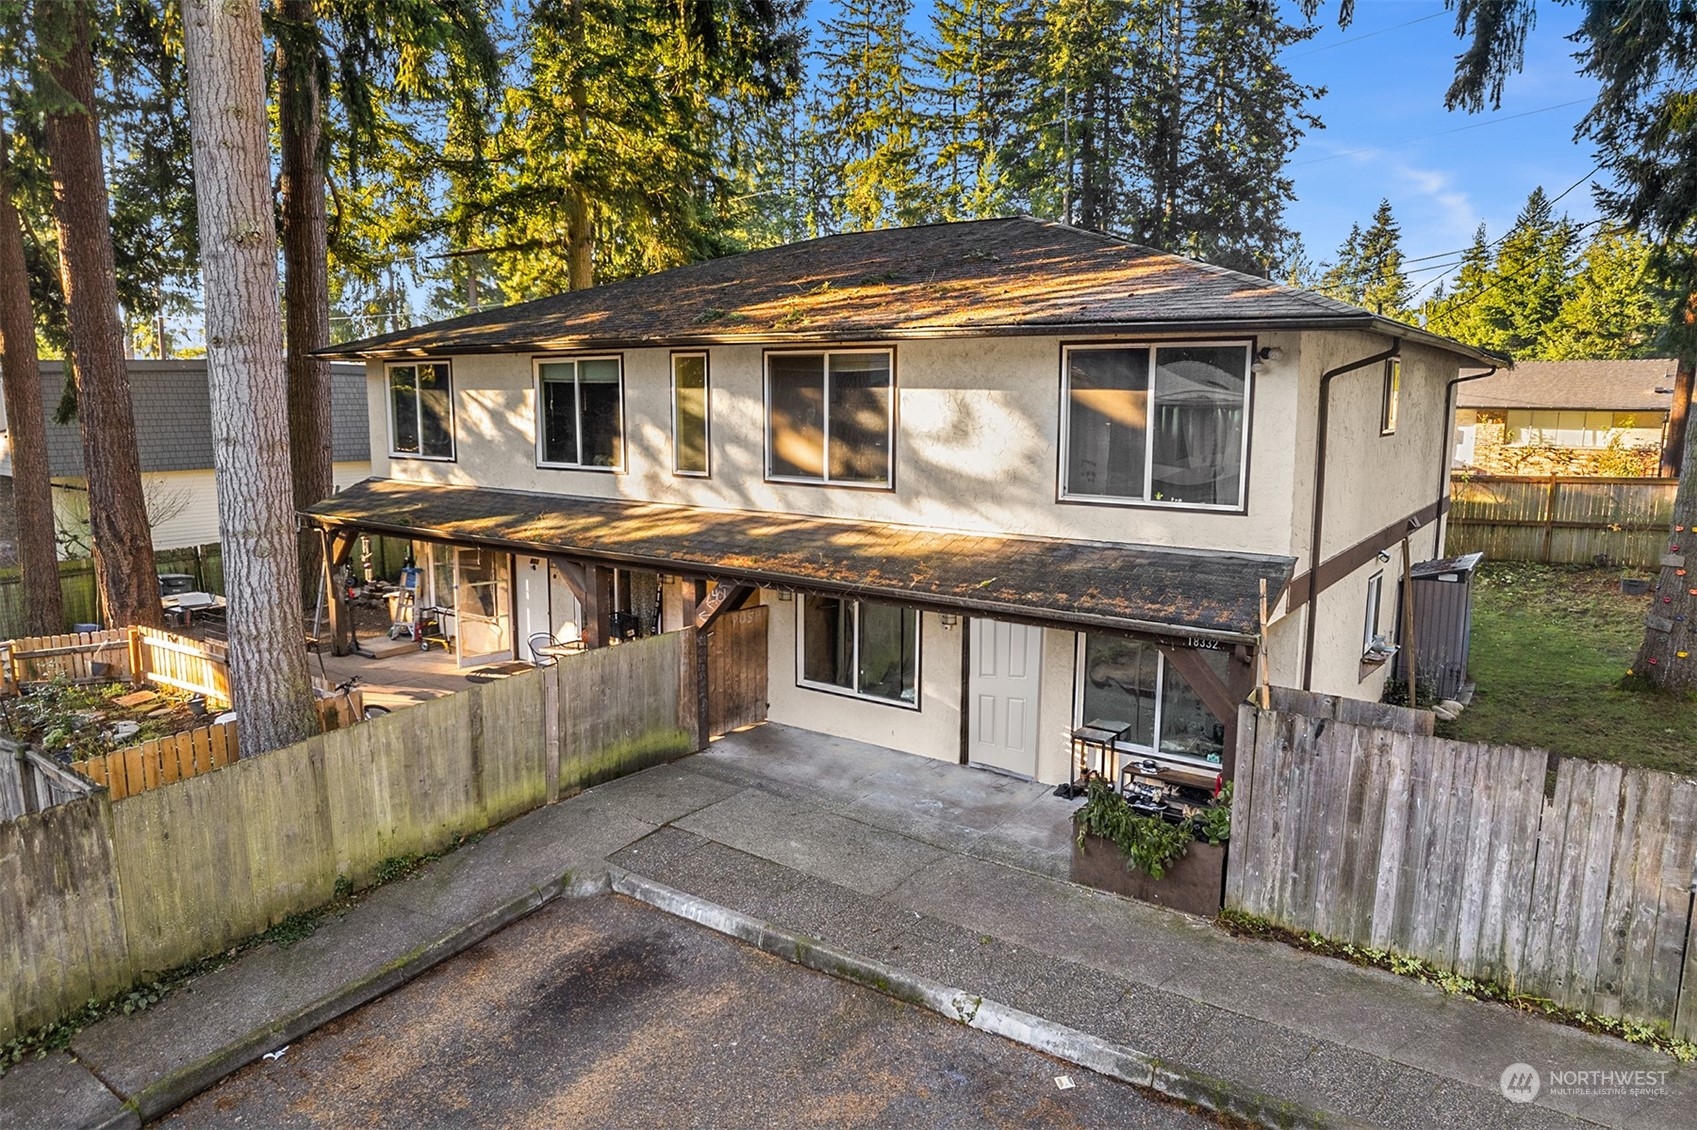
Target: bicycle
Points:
(346, 690)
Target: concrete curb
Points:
(1103, 1057)
(171, 1090)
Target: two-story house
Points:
(993, 479)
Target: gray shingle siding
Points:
(174, 417)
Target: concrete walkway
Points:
(930, 873)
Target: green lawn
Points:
(1549, 646)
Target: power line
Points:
(1365, 35)
(1440, 133)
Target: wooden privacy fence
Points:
(1452, 852)
(127, 655)
(96, 895)
(736, 670)
(1561, 519)
(32, 782)
(163, 761)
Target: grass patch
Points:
(1654, 1036)
(1551, 645)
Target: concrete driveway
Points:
(603, 1012)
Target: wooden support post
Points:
(1549, 523)
(138, 662)
(597, 601)
(696, 597)
(1261, 652)
(338, 544)
(1410, 653)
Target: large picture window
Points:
(1128, 680)
(829, 417)
(689, 413)
(421, 410)
(580, 415)
(861, 648)
(1159, 424)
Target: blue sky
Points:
(1388, 135)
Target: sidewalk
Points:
(925, 877)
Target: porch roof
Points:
(1159, 589)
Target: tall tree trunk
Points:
(20, 374)
(117, 507)
(1679, 418)
(1668, 657)
(305, 231)
(245, 371)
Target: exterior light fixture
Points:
(785, 595)
(1270, 353)
(947, 619)
(1384, 557)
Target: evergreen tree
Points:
(982, 81)
(1368, 268)
(1612, 308)
(1531, 280)
(1456, 312)
(868, 121)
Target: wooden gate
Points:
(736, 670)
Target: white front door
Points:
(1007, 663)
(530, 601)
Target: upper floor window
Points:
(830, 417)
(1160, 424)
(1393, 394)
(689, 414)
(580, 413)
(421, 410)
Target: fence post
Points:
(137, 664)
(1550, 521)
(551, 677)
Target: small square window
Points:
(1393, 393)
(830, 417)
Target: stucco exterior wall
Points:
(976, 445)
(931, 731)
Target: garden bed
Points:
(1195, 883)
(75, 722)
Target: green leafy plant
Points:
(1148, 843)
(1214, 826)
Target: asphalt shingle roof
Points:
(174, 417)
(1620, 386)
(1086, 583)
(1017, 275)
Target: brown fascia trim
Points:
(1008, 613)
(1364, 322)
(1340, 565)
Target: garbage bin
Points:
(1443, 622)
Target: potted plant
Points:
(1178, 865)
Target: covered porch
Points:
(975, 649)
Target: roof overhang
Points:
(375, 349)
(1154, 590)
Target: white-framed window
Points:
(1128, 680)
(830, 417)
(1163, 425)
(1375, 599)
(1393, 396)
(580, 413)
(859, 647)
(690, 427)
(421, 410)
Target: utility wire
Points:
(1365, 35)
(1440, 133)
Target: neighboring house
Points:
(174, 440)
(992, 480)
(1566, 417)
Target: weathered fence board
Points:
(1560, 519)
(163, 761)
(96, 894)
(736, 670)
(33, 782)
(1451, 852)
